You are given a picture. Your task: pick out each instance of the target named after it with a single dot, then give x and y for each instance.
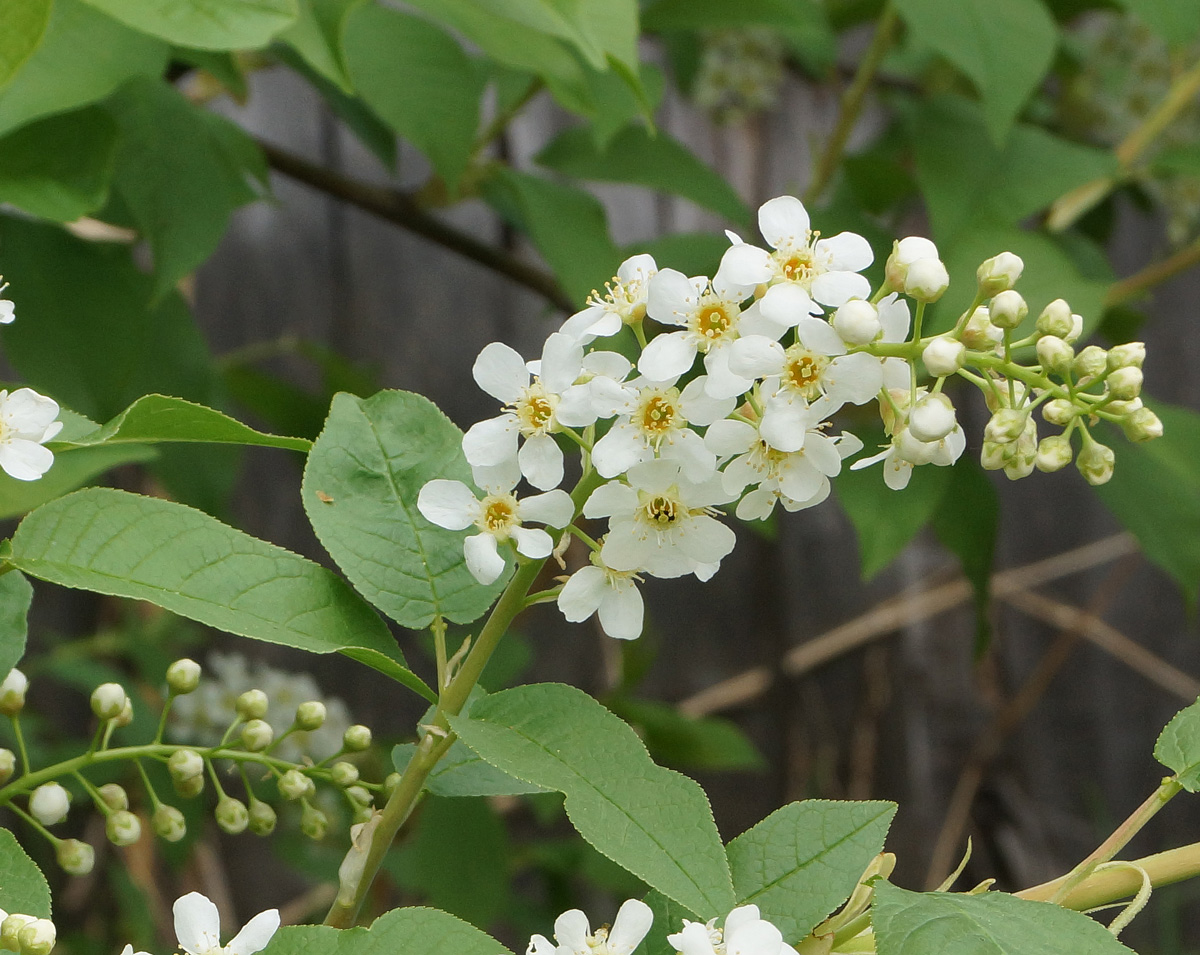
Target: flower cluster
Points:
(27, 934)
(198, 929)
(27, 421)
(729, 402)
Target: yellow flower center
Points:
(714, 319)
(662, 511)
(802, 371)
(657, 414)
(796, 263)
(499, 515)
(535, 409)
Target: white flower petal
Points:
(896, 373)
(746, 265)
(572, 929)
(622, 550)
(783, 221)
(540, 945)
(595, 321)
(693, 940)
(483, 557)
(697, 461)
(621, 617)
(845, 252)
(757, 505)
(786, 304)
(894, 318)
(742, 915)
(609, 364)
(634, 916)
(554, 508)
(785, 423)
(837, 288)
(637, 268)
(619, 450)
(667, 356)
(854, 378)
(255, 934)
(701, 408)
(609, 499)
(818, 335)
(721, 382)
(562, 360)
(671, 296)
(24, 460)
(491, 442)
(755, 938)
(822, 492)
(448, 504)
(497, 478)
(501, 372)
(728, 437)
(197, 923)
(582, 593)
(654, 476)
(541, 461)
(756, 356)
(532, 542)
(799, 480)
(705, 539)
(753, 322)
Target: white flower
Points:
(825, 269)
(48, 804)
(529, 408)
(500, 518)
(662, 523)
(624, 302)
(745, 933)
(27, 420)
(907, 451)
(7, 308)
(612, 593)
(905, 253)
(597, 393)
(198, 928)
(574, 934)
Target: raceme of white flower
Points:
(728, 401)
(27, 421)
(27, 934)
(745, 932)
(574, 933)
(198, 928)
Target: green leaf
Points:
(23, 888)
(567, 225)
(205, 24)
(1004, 48)
(59, 168)
(155, 418)
(966, 521)
(360, 493)
(412, 930)
(886, 520)
(966, 177)
(24, 26)
(654, 822)
(1155, 493)
(82, 59)
(1179, 161)
(1178, 747)
(657, 162)
(686, 742)
(420, 82)
(1176, 21)
(805, 859)
(668, 919)
(721, 14)
(144, 548)
(15, 597)
(71, 470)
(181, 171)
(461, 773)
(318, 36)
(917, 923)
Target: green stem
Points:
(1110, 885)
(439, 643)
(162, 720)
(54, 840)
(16, 725)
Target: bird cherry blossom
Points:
(27, 421)
(198, 928)
(907, 449)
(574, 933)
(624, 302)
(611, 594)
(745, 933)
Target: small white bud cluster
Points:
(26, 934)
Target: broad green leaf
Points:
(71, 470)
(966, 177)
(886, 520)
(917, 923)
(1155, 493)
(1176, 21)
(657, 162)
(653, 822)
(23, 888)
(720, 14)
(181, 171)
(15, 597)
(1004, 48)
(59, 168)
(82, 59)
(205, 24)
(1179, 160)
(1178, 746)
(567, 225)
(414, 930)
(360, 493)
(144, 548)
(419, 81)
(155, 418)
(317, 35)
(805, 859)
(462, 773)
(24, 24)
(686, 742)
(966, 521)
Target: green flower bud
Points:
(1090, 362)
(184, 764)
(232, 815)
(1007, 424)
(390, 784)
(295, 785)
(8, 763)
(1008, 309)
(927, 280)
(1055, 354)
(994, 456)
(1095, 462)
(944, 356)
(252, 705)
(12, 692)
(361, 814)
(114, 796)
(357, 738)
(123, 828)
(125, 717)
(1125, 383)
(37, 937)
(108, 699)
(979, 334)
(1129, 355)
(343, 774)
(10, 929)
(48, 804)
(999, 273)
(183, 676)
(1142, 425)
(360, 795)
(1119, 407)
(190, 787)
(257, 735)
(1056, 319)
(169, 823)
(75, 857)
(310, 715)
(1059, 411)
(262, 818)
(1054, 453)
(313, 822)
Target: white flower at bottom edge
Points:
(744, 933)
(500, 518)
(574, 934)
(128, 950)
(610, 593)
(27, 420)
(198, 928)
(906, 452)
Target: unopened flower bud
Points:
(183, 676)
(185, 764)
(114, 796)
(1125, 383)
(310, 715)
(857, 322)
(390, 782)
(190, 787)
(927, 280)
(169, 823)
(257, 735)
(295, 785)
(1142, 425)
(125, 717)
(1121, 407)
(75, 857)
(1007, 424)
(12, 692)
(232, 815)
(357, 738)
(123, 828)
(360, 795)
(913, 449)
(313, 822)
(1095, 462)
(932, 418)
(1055, 319)
(979, 334)
(48, 804)
(343, 774)
(8, 763)
(905, 252)
(944, 356)
(262, 818)
(1059, 411)
(1055, 354)
(10, 929)
(1008, 309)
(993, 456)
(252, 705)
(1129, 355)
(1090, 362)
(999, 273)
(37, 937)
(108, 699)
